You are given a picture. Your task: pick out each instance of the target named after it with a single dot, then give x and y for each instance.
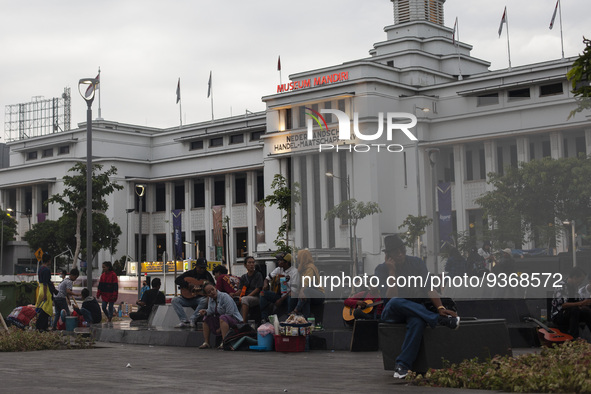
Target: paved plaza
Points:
(166, 369)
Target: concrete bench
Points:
(474, 338)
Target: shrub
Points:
(17, 340)
(559, 369)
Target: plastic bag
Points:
(266, 329)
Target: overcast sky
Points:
(144, 46)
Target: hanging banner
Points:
(218, 231)
(444, 202)
(177, 224)
(260, 229)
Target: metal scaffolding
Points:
(37, 117)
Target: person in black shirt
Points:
(150, 298)
(188, 297)
(91, 310)
(251, 285)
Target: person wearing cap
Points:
(406, 304)
(195, 301)
(279, 285)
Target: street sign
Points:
(39, 254)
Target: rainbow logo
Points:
(317, 117)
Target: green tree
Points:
(284, 197)
(415, 227)
(580, 78)
(47, 236)
(8, 224)
(532, 200)
(354, 211)
(73, 202)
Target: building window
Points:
(482, 162)
(179, 196)
(64, 150)
(580, 147)
(327, 117)
(341, 105)
(32, 155)
(160, 246)
(513, 155)
(215, 142)
(199, 194)
(196, 145)
(487, 99)
(288, 119)
(47, 152)
(469, 168)
(518, 94)
(532, 151)
(301, 116)
(546, 152)
(500, 165)
(237, 139)
(260, 186)
(160, 197)
(551, 89)
(241, 237)
(219, 191)
(449, 172)
(44, 198)
(256, 135)
(240, 188)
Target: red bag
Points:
(21, 316)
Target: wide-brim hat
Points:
(392, 242)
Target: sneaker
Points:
(183, 324)
(450, 322)
(192, 323)
(400, 371)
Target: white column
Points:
(523, 153)
(299, 222)
(208, 218)
(556, 145)
(588, 141)
(323, 200)
(459, 176)
(251, 211)
(309, 220)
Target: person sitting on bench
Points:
(279, 286)
(360, 301)
(251, 284)
(221, 314)
(406, 302)
(568, 309)
(189, 283)
(150, 298)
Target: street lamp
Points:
(353, 253)
(140, 190)
(127, 211)
(574, 248)
(87, 88)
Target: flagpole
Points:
(457, 45)
(561, 38)
(179, 100)
(211, 93)
(508, 45)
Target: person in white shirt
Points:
(280, 287)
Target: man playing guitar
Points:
(190, 283)
(363, 305)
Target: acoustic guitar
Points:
(548, 335)
(195, 288)
(348, 311)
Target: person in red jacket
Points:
(108, 288)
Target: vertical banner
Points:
(444, 202)
(176, 225)
(218, 233)
(260, 208)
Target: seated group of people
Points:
(227, 300)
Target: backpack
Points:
(21, 316)
(239, 337)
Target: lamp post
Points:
(433, 154)
(574, 247)
(140, 190)
(353, 252)
(87, 88)
(127, 212)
